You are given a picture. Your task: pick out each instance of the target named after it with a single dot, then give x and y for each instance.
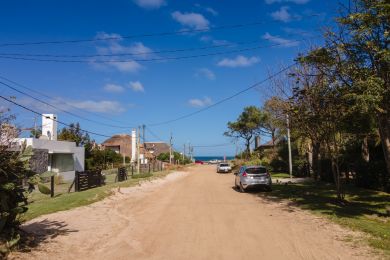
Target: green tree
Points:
(357, 55)
(73, 133)
(247, 126)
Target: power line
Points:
(212, 145)
(140, 53)
(60, 122)
(62, 110)
(66, 103)
(225, 99)
(185, 31)
(155, 59)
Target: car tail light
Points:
(244, 174)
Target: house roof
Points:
(120, 139)
(157, 148)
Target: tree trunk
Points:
(316, 160)
(309, 158)
(384, 132)
(248, 148)
(365, 151)
(337, 178)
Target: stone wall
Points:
(39, 161)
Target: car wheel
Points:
(242, 188)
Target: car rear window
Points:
(223, 165)
(257, 170)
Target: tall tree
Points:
(247, 126)
(358, 55)
(74, 133)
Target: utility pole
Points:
(289, 146)
(170, 149)
(138, 151)
(184, 152)
(35, 127)
(143, 133)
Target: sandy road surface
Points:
(194, 215)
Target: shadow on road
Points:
(41, 232)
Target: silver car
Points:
(252, 177)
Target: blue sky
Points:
(135, 92)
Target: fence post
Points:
(76, 181)
(52, 186)
(149, 167)
(132, 170)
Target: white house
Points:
(62, 157)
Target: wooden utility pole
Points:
(138, 150)
(184, 152)
(289, 146)
(170, 149)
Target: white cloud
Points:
(192, 20)
(239, 61)
(136, 86)
(113, 88)
(299, 2)
(127, 66)
(104, 106)
(209, 39)
(150, 4)
(207, 73)
(206, 101)
(211, 11)
(123, 63)
(279, 40)
(282, 14)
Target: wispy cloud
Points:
(191, 20)
(136, 86)
(121, 63)
(279, 40)
(206, 101)
(239, 61)
(206, 73)
(104, 106)
(282, 14)
(113, 88)
(299, 2)
(210, 39)
(150, 4)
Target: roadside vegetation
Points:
(336, 102)
(363, 210)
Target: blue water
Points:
(209, 158)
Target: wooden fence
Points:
(88, 180)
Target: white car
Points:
(224, 167)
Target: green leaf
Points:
(44, 189)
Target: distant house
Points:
(61, 157)
(120, 143)
(157, 148)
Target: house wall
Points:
(56, 148)
(39, 161)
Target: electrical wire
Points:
(225, 99)
(64, 111)
(154, 59)
(184, 31)
(66, 103)
(142, 53)
(60, 122)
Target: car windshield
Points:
(224, 165)
(256, 170)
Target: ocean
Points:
(209, 158)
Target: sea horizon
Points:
(216, 157)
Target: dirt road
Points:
(193, 215)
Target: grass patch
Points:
(364, 210)
(41, 204)
(280, 175)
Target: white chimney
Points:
(49, 126)
(133, 145)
